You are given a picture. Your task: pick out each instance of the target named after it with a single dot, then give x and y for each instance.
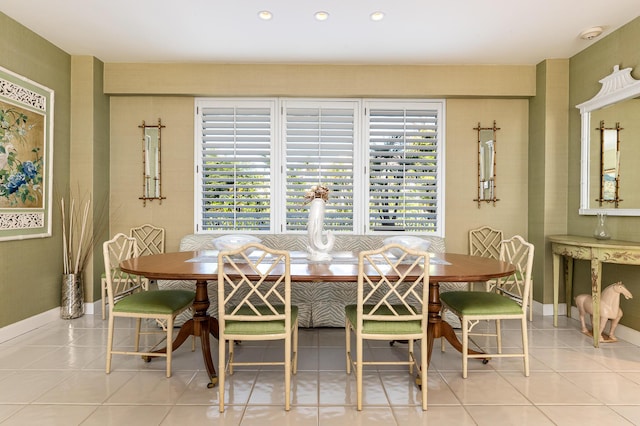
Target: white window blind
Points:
(404, 190)
(235, 167)
(382, 161)
(319, 140)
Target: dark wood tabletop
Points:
(180, 265)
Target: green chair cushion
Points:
(255, 328)
(163, 302)
(480, 303)
(383, 327)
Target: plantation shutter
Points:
(403, 167)
(319, 145)
(236, 164)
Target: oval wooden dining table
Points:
(201, 266)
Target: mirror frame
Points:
(147, 180)
(616, 87)
(482, 166)
(604, 131)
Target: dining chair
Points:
(122, 286)
(256, 306)
(486, 241)
(150, 240)
(390, 306)
(162, 305)
(475, 306)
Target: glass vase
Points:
(601, 232)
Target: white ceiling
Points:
(412, 32)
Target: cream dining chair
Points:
(254, 303)
(150, 240)
(486, 242)
(475, 306)
(159, 305)
(390, 306)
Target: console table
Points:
(597, 252)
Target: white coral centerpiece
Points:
(319, 250)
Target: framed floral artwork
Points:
(26, 154)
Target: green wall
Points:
(586, 69)
(31, 269)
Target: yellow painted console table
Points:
(597, 252)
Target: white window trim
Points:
(361, 134)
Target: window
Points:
(382, 161)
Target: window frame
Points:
(361, 160)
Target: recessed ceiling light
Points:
(321, 16)
(377, 16)
(265, 15)
(591, 33)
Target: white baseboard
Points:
(28, 324)
(94, 308)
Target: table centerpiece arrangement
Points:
(319, 250)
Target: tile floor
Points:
(54, 375)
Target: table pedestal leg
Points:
(200, 326)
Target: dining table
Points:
(201, 266)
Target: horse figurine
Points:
(609, 308)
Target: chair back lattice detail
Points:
(519, 253)
(263, 288)
(383, 285)
(150, 239)
(118, 283)
(485, 242)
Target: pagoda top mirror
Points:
(615, 103)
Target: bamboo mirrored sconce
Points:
(151, 162)
(487, 148)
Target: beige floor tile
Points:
(435, 415)
(276, 416)
(237, 389)
(550, 388)
(484, 388)
(50, 415)
(116, 415)
(6, 410)
(152, 388)
(485, 415)
(369, 416)
(629, 412)
(19, 356)
(609, 388)
(26, 386)
(583, 415)
(181, 415)
(67, 358)
(85, 388)
(567, 359)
